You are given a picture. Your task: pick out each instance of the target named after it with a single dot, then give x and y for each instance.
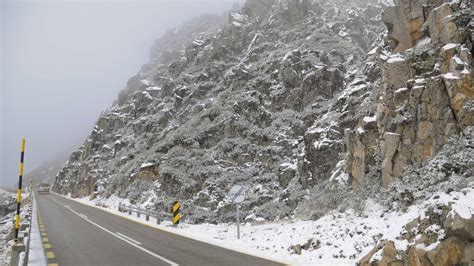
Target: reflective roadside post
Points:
(176, 212)
(18, 196)
(237, 195)
(18, 247)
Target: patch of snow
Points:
(198, 42)
(339, 174)
(237, 16)
(146, 164)
(146, 82)
(401, 245)
(464, 207)
(377, 256)
(313, 130)
(449, 46)
(427, 248)
(343, 33)
(153, 88)
(401, 90)
(237, 24)
(286, 166)
(147, 95)
(395, 58)
(465, 71)
(450, 76)
(457, 60)
(423, 42)
(360, 130)
(369, 119)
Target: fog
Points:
(63, 62)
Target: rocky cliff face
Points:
(312, 105)
(426, 91)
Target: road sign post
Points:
(238, 220)
(237, 195)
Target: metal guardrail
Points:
(160, 216)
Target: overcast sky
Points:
(63, 62)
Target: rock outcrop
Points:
(426, 91)
(439, 237)
(404, 21)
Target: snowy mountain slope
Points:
(233, 106)
(314, 106)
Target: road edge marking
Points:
(46, 245)
(181, 235)
(36, 240)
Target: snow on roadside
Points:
(6, 228)
(338, 238)
(7, 225)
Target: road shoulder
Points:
(37, 256)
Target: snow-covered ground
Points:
(337, 238)
(7, 224)
(6, 227)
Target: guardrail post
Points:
(158, 221)
(16, 250)
(129, 211)
(138, 213)
(147, 216)
(23, 227)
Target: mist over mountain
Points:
(63, 62)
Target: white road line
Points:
(80, 214)
(128, 238)
(119, 237)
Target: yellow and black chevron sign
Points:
(176, 214)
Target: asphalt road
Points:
(82, 235)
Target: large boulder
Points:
(404, 21)
(361, 147)
(462, 227)
(442, 27)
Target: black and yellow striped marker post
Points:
(18, 197)
(176, 214)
